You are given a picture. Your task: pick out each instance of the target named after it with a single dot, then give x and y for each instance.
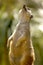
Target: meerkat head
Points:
(25, 14)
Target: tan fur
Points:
(21, 51)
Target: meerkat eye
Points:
(31, 16)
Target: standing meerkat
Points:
(21, 51)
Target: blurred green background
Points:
(8, 19)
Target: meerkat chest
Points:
(23, 29)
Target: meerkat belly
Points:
(22, 47)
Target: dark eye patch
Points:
(28, 8)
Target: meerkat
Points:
(21, 51)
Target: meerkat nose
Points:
(24, 7)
